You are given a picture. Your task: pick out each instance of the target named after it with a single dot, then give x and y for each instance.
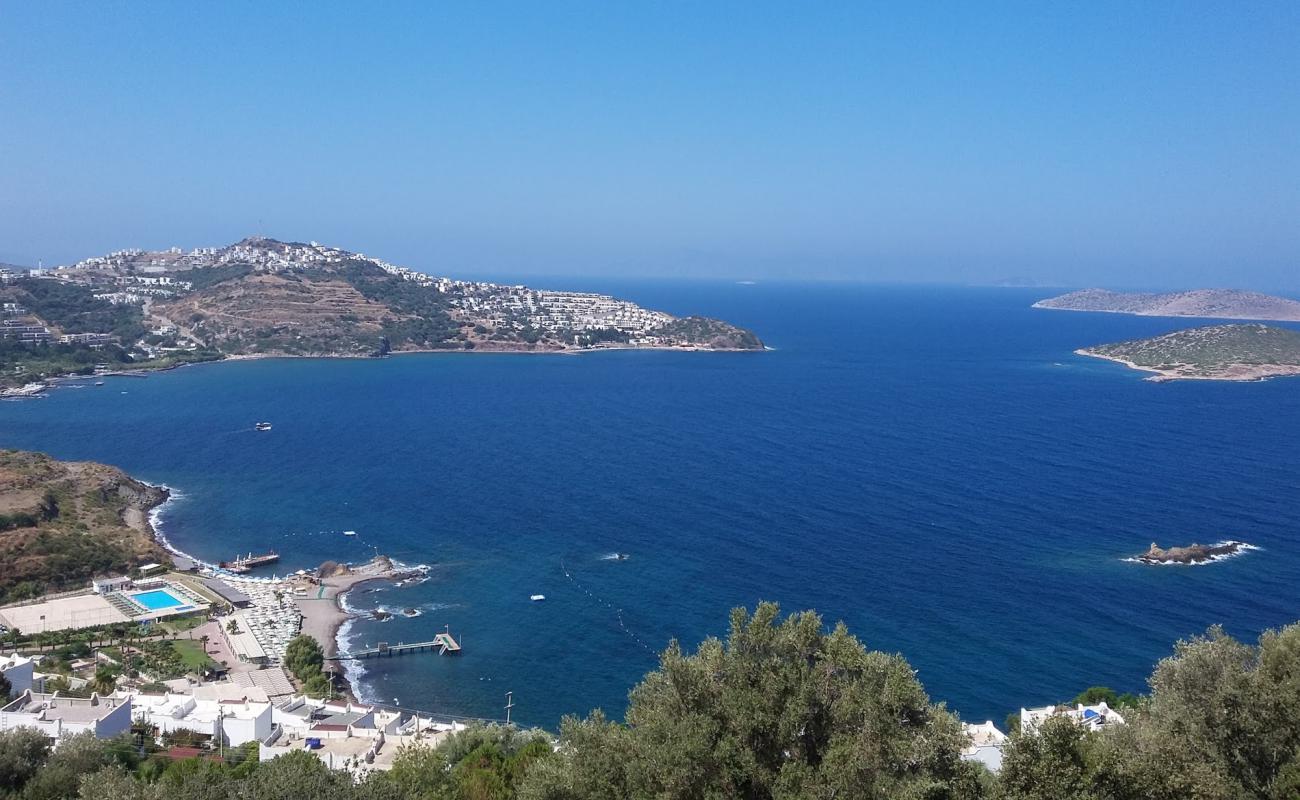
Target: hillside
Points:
(62, 522)
(262, 296)
(1210, 303)
(1238, 352)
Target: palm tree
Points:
(204, 641)
(233, 626)
(105, 680)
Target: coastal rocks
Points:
(332, 569)
(1192, 554)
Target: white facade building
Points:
(1094, 718)
(19, 671)
(57, 716)
(985, 746)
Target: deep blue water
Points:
(932, 466)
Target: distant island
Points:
(1209, 303)
(1192, 554)
(1233, 352)
(138, 309)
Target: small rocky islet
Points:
(1192, 553)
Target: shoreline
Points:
(30, 392)
(324, 616)
(1165, 376)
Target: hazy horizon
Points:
(1107, 145)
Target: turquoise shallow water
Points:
(933, 466)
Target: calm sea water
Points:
(932, 466)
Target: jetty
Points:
(246, 563)
(444, 644)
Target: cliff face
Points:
(62, 523)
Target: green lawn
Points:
(182, 624)
(191, 652)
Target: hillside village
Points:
(260, 296)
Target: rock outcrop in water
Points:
(1191, 554)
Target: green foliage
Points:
(74, 309)
(485, 761)
(1222, 721)
(1209, 348)
(77, 756)
(1104, 694)
(24, 362)
(205, 277)
(781, 709)
(709, 333)
(22, 752)
(1048, 764)
(303, 656)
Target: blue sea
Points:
(933, 466)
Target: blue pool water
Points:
(934, 467)
(157, 599)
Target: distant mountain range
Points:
(1207, 303)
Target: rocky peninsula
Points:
(135, 309)
(65, 521)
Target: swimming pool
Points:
(157, 599)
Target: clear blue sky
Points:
(1085, 143)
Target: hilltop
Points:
(1211, 303)
(63, 522)
(259, 296)
(1236, 352)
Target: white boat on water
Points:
(349, 533)
(537, 598)
(263, 426)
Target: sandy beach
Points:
(322, 610)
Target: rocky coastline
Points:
(1192, 553)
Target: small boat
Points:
(537, 598)
(99, 383)
(349, 533)
(263, 426)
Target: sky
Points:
(1115, 144)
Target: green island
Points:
(1231, 352)
(147, 310)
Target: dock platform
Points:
(443, 643)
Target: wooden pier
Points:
(246, 563)
(443, 643)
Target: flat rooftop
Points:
(68, 709)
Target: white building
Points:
(18, 670)
(985, 746)
(112, 583)
(357, 738)
(57, 716)
(229, 714)
(1094, 718)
